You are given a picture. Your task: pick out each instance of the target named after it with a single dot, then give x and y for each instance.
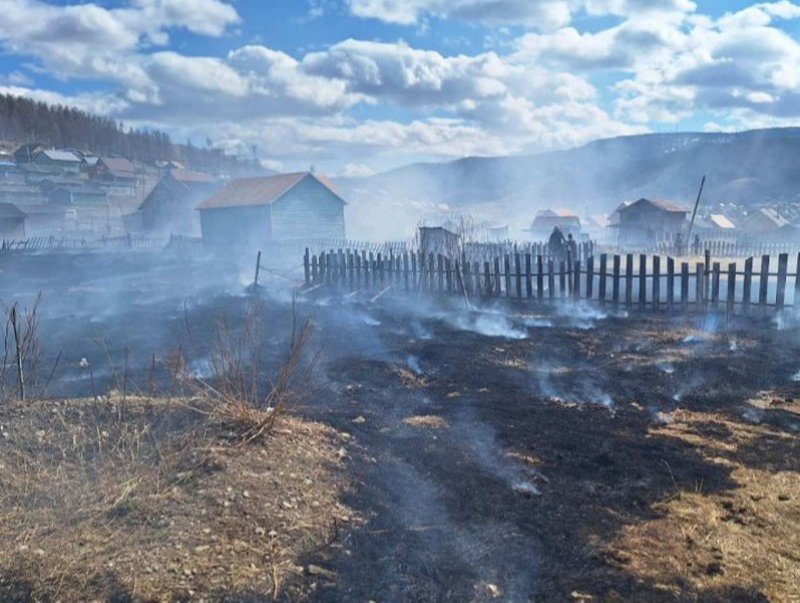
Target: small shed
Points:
(548, 219)
(115, 169)
(70, 195)
(648, 221)
(170, 206)
(303, 206)
(437, 240)
(12, 221)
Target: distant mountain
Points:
(752, 168)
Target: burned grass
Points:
(147, 499)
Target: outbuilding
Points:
(171, 205)
(649, 221)
(302, 206)
(548, 219)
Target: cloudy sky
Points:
(355, 86)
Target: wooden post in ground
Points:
(589, 277)
(576, 281)
(518, 275)
(306, 266)
(715, 285)
(763, 283)
(314, 270)
(748, 285)
(685, 285)
(551, 280)
(642, 281)
(540, 276)
(562, 280)
(528, 281)
(670, 283)
(258, 268)
(487, 280)
(601, 286)
(507, 274)
(699, 290)
(615, 283)
(497, 276)
(731, 300)
(780, 294)
(628, 280)
(656, 282)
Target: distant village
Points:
(75, 194)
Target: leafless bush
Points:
(239, 391)
(20, 374)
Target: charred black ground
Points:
(500, 453)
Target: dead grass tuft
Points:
(429, 421)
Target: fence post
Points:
(589, 277)
(706, 280)
(731, 287)
(518, 275)
(656, 282)
(497, 286)
(551, 280)
(314, 270)
(540, 275)
(601, 285)
(642, 281)
(699, 290)
(562, 280)
(307, 267)
(763, 283)
(507, 274)
(528, 282)
(715, 285)
(487, 279)
(780, 294)
(748, 284)
(684, 285)
(628, 280)
(576, 281)
(796, 300)
(670, 283)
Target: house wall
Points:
(235, 227)
(12, 228)
(644, 223)
(308, 211)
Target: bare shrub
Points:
(240, 392)
(20, 374)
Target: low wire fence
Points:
(651, 282)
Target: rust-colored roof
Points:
(260, 191)
(190, 176)
(118, 164)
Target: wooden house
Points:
(171, 205)
(71, 195)
(301, 206)
(12, 221)
(763, 221)
(62, 162)
(114, 169)
(648, 221)
(548, 219)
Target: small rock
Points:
(359, 420)
(316, 570)
(260, 531)
(246, 494)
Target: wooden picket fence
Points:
(633, 282)
(103, 243)
(723, 248)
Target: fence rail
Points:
(631, 281)
(52, 244)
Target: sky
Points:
(354, 87)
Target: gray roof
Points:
(61, 156)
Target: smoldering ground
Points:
(496, 451)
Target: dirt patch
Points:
(145, 499)
(429, 421)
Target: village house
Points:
(26, 152)
(12, 221)
(437, 240)
(547, 220)
(301, 206)
(763, 221)
(648, 221)
(715, 225)
(171, 205)
(61, 162)
(114, 169)
(68, 195)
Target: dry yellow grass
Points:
(429, 421)
(747, 537)
(144, 499)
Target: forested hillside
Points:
(23, 120)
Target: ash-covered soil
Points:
(502, 454)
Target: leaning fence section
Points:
(646, 282)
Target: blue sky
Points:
(358, 86)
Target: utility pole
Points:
(694, 213)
